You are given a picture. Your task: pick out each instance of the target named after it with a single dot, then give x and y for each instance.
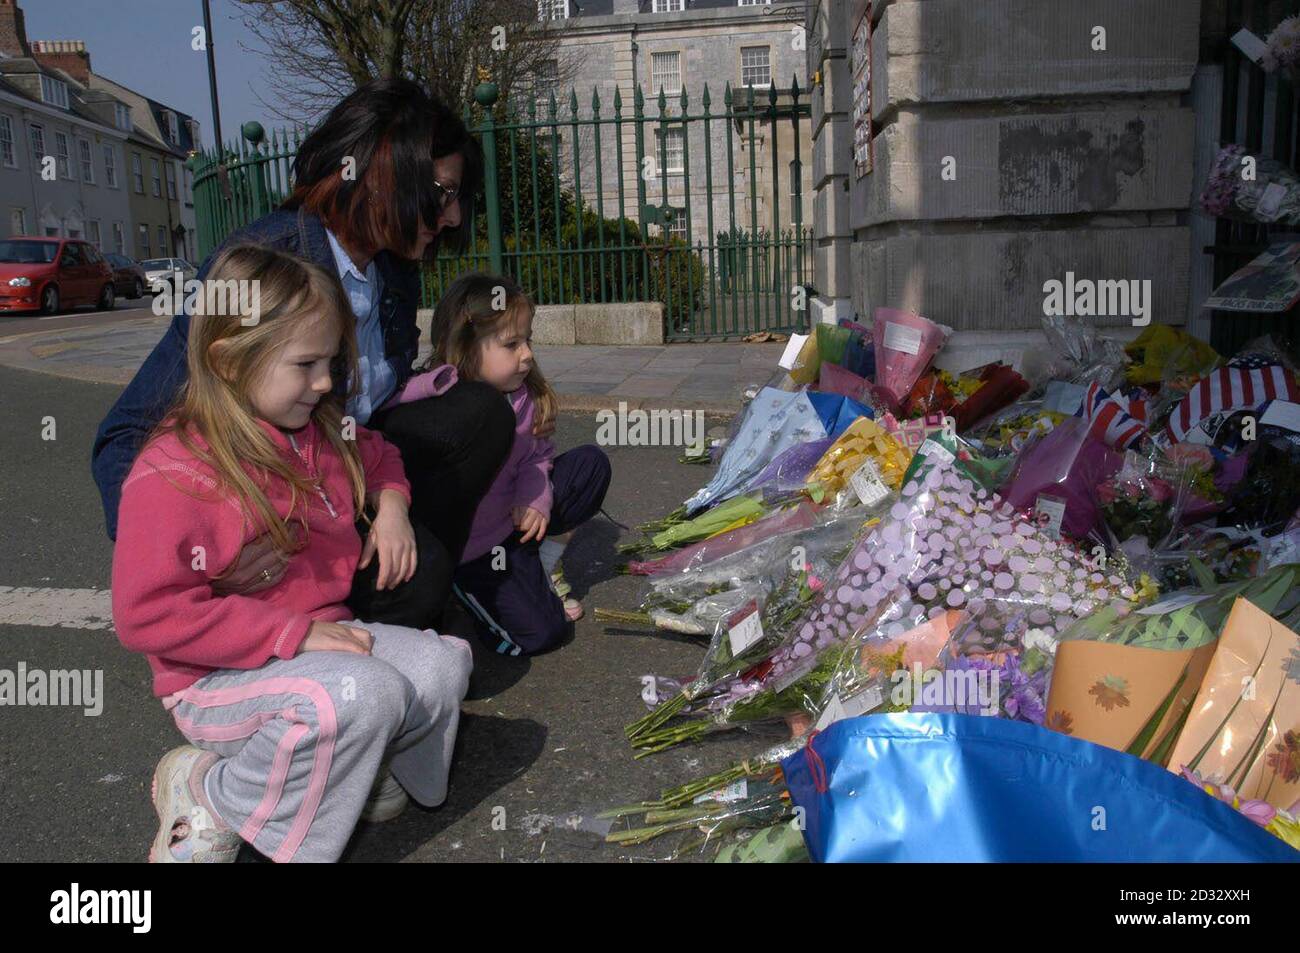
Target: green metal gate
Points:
(688, 224)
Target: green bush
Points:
(672, 274)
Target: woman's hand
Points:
(530, 522)
(259, 566)
(336, 637)
(392, 537)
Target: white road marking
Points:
(62, 608)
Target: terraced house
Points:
(61, 149)
(159, 140)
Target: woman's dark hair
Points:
(393, 131)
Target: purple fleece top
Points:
(524, 479)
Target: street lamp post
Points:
(212, 74)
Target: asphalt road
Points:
(541, 737)
(68, 318)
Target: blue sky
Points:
(145, 45)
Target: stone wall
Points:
(1008, 150)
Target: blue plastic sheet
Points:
(836, 411)
(930, 787)
(774, 421)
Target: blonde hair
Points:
(466, 316)
(215, 404)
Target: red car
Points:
(46, 274)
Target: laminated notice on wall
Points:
(860, 64)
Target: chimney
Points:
(67, 55)
(13, 32)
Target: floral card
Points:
(1125, 697)
(1244, 726)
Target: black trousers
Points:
(452, 447)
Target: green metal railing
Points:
(550, 231)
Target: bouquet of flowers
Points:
(905, 344)
(1283, 47)
(946, 543)
(1128, 681)
(1271, 195)
(1141, 506)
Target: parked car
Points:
(164, 269)
(128, 277)
(45, 274)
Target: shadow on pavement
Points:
(490, 753)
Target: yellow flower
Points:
(1147, 590)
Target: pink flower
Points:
(1160, 490)
(1106, 493)
(1261, 812)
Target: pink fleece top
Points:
(175, 536)
(523, 480)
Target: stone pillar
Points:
(832, 158)
(1013, 145)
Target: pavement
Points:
(541, 738)
(708, 377)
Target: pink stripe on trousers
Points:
(327, 733)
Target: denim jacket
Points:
(156, 384)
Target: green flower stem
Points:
(662, 713)
(624, 618)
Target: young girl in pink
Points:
(509, 576)
(295, 711)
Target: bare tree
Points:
(322, 49)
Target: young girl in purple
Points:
(509, 571)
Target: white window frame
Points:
(552, 10)
(744, 66)
(119, 237)
(62, 155)
(658, 75)
(86, 156)
(110, 165)
(155, 176)
(171, 181)
(677, 227)
(546, 82)
(162, 241)
(188, 175)
(122, 116)
(667, 6)
(54, 91)
(670, 135)
(37, 134)
(173, 129)
(22, 221)
(8, 153)
(753, 3)
(144, 234)
(137, 173)
(93, 233)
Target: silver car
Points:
(164, 270)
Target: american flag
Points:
(1114, 419)
(1245, 384)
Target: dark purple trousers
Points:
(509, 595)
